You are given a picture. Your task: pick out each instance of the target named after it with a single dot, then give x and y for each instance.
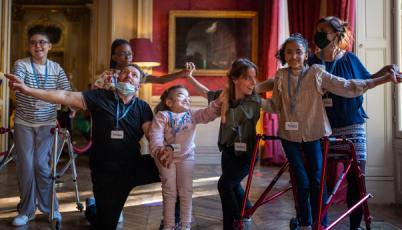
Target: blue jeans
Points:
(307, 181)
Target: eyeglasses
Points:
(40, 42)
(124, 54)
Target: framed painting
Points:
(211, 39)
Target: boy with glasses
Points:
(33, 120)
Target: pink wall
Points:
(161, 32)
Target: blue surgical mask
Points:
(126, 88)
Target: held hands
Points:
(15, 83)
(189, 69)
(222, 98)
(165, 156)
(393, 73)
(104, 81)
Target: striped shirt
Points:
(31, 111)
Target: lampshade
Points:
(143, 53)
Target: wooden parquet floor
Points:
(143, 208)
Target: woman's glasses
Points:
(40, 42)
(124, 54)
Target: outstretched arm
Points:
(201, 89)
(388, 69)
(165, 78)
(354, 88)
(72, 99)
(168, 77)
(265, 86)
(211, 112)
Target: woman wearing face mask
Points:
(346, 115)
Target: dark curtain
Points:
(345, 10)
(303, 16)
(272, 153)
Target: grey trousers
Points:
(33, 145)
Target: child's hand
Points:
(15, 83)
(393, 73)
(165, 157)
(395, 77)
(104, 80)
(161, 157)
(399, 77)
(189, 69)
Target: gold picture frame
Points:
(211, 39)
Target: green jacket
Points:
(241, 120)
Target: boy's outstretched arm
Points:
(72, 99)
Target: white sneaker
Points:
(21, 220)
(121, 217)
(246, 219)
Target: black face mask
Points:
(321, 40)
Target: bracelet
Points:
(170, 146)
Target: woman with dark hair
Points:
(346, 115)
(121, 56)
(237, 135)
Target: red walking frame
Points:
(264, 198)
(348, 157)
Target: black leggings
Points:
(353, 196)
(234, 170)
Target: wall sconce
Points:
(143, 53)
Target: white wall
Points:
(373, 47)
(398, 102)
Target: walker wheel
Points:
(294, 224)
(80, 207)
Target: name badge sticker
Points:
(240, 147)
(328, 102)
(292, 126)
(117, 134)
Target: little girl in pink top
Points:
(172, 145)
